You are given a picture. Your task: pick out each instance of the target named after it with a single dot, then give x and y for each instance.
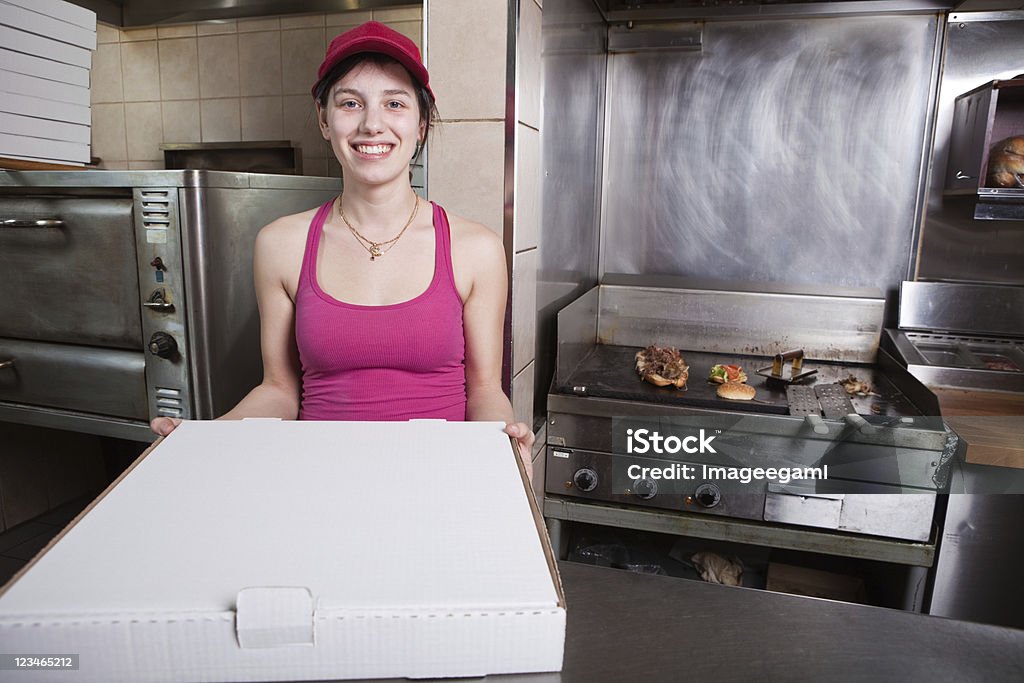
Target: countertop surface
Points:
(633, 627)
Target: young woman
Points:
(378, 305)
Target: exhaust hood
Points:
(133, 13)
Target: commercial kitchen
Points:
(823, 201)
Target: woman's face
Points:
(372, 121)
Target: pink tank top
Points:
(394, 362)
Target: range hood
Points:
(689, 10)
(134, 13)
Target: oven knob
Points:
(163, 345)
(645, 489)
(708, 495)
(585, 479)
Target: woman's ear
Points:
(321, 119)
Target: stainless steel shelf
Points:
(743, 531)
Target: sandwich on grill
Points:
(662, 366)
(726, 374)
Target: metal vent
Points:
(156, 208)
(168, 402)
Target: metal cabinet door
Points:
(73, 278)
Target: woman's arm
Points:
(483, 318)
(279, 393)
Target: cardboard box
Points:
(269, 550)
(60, 9)
(31, 65)
(22, 84)
(32, 44)
(16, 124)
(58, 150)
(784, 578)
(26, 105)
(31, 20)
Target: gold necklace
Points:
(378, 249)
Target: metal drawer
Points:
(80, 378)
(73, 278)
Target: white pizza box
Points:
(16, 124)
(22, 84)
(41, 46)
(284, 550)
(58, 150)
(60, 9)
(33, 65)
(27, 105)
(48, 19)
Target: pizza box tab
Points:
(283, 550)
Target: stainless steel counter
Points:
(633, 627)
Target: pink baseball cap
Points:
(374, 36)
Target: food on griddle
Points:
(662, 366)
(1006, 163)
(726, 374)
(855, 385)
(999, 363)
(737, 391)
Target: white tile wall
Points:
(105, 78)
(522, 395)
(259, 59)
(179, 69)
(181, 120)
(467, 57)
(528, 188)
(220, 120)
(144, 129)
(261, 118)
(218, 81)
(140, 71)
(302, 50)
(528, 75)
(467, 170)
(218, 65)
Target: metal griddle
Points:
(610, 372)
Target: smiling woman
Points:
(378, 305)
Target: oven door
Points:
(68, 271)
(70, 328)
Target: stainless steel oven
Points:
(128, 295)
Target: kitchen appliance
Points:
(886, 461)
(961, 335)
(129, 295)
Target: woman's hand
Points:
(162, 426)
(524, 441)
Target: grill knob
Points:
(645, 489)
(708, 495)
(585, 479)
(163, 345)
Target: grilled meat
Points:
(662, 366)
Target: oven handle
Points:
(41, 223)
(6, 364)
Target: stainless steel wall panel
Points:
(955, 246)
(573, 72)
(961, 307)
(747, 323)
(783, 152)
